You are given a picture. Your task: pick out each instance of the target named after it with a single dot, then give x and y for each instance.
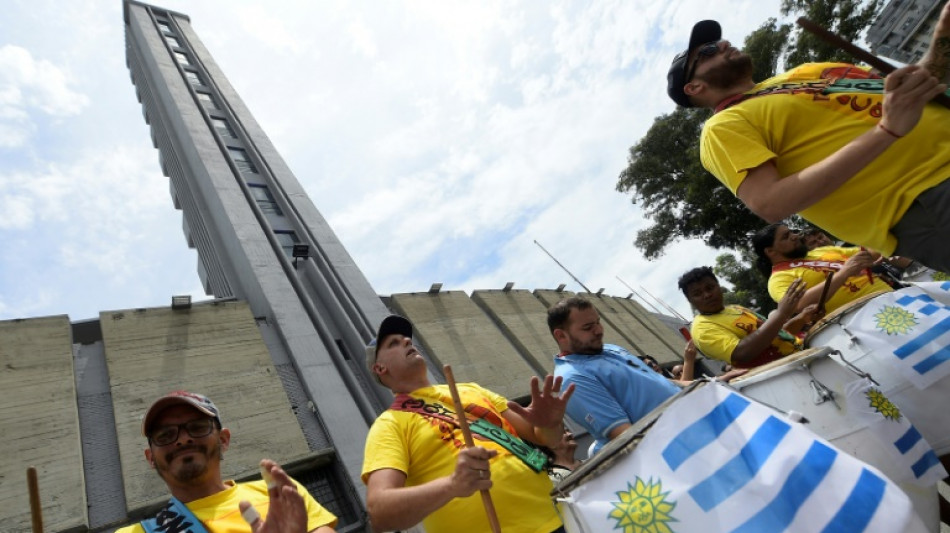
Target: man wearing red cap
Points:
(186, 442)
(416, 467)
(864, 158)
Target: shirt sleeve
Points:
(779, 283)
(386, 447)
(592, 406)
(714, 340)
(730, 146)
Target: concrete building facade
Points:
(903, 29)
(279, 346)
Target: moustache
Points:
(171, 455)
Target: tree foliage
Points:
(848, 18)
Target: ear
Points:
(148, 457)
(560, 336)
(693, 88)
(224, 437)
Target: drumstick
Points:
(868, 270)
(824, 293)
(858, 53)
(36, 510)
(467, 435)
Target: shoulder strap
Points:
(175, 517)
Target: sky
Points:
(440, 139)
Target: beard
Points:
(799, 252)
(191, 467)
(592, 347)
(731, 73)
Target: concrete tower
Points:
(249, 218)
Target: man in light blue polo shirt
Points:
(614, 388)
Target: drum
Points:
(926, 408)
(712, 459)
(813, 384)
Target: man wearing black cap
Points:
(827, 141)
(416, 467)
(186, 443)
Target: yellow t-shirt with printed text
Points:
(807, 118)
(854, 288)
(219, 513)
(426, 449)
(717, 335)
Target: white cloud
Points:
(438, 138)
(28, 85)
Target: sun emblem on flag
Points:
(940, 276)
(643, 508)
(882, 405)
(895, 320)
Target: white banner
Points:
(717, 461)
(908, 448)
(911, 329)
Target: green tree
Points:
(847, 18)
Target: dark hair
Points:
(762, 239)
(559, 313)
(695, 276)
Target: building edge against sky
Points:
(278, 346)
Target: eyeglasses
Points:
(196, 429)
(704, 51)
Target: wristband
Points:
(889, 132)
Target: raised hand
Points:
(547, 404)
(286, 513)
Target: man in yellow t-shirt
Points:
(735, 334)
(822, 140)
(186, 442)
(417, 468)
(784, 257)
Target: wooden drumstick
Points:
(467, 436)
(858, 53)
(824, 293)
(36, 510)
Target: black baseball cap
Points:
(705, 31)
(390, 325)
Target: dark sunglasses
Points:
(704, 51)
(196, 429)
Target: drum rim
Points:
(835, 316)
(797, 361)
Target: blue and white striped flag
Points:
(717, 461)
(909, 450)
(912, 328)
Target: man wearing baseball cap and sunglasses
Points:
(864, 158)
(186, 443)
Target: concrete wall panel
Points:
(40, 425)
(214, 349)
(453, 330)
(523, 319)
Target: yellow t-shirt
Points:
(810, 119)
(718, 335)
(219, 513)
(426, 449)
(813, 269)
